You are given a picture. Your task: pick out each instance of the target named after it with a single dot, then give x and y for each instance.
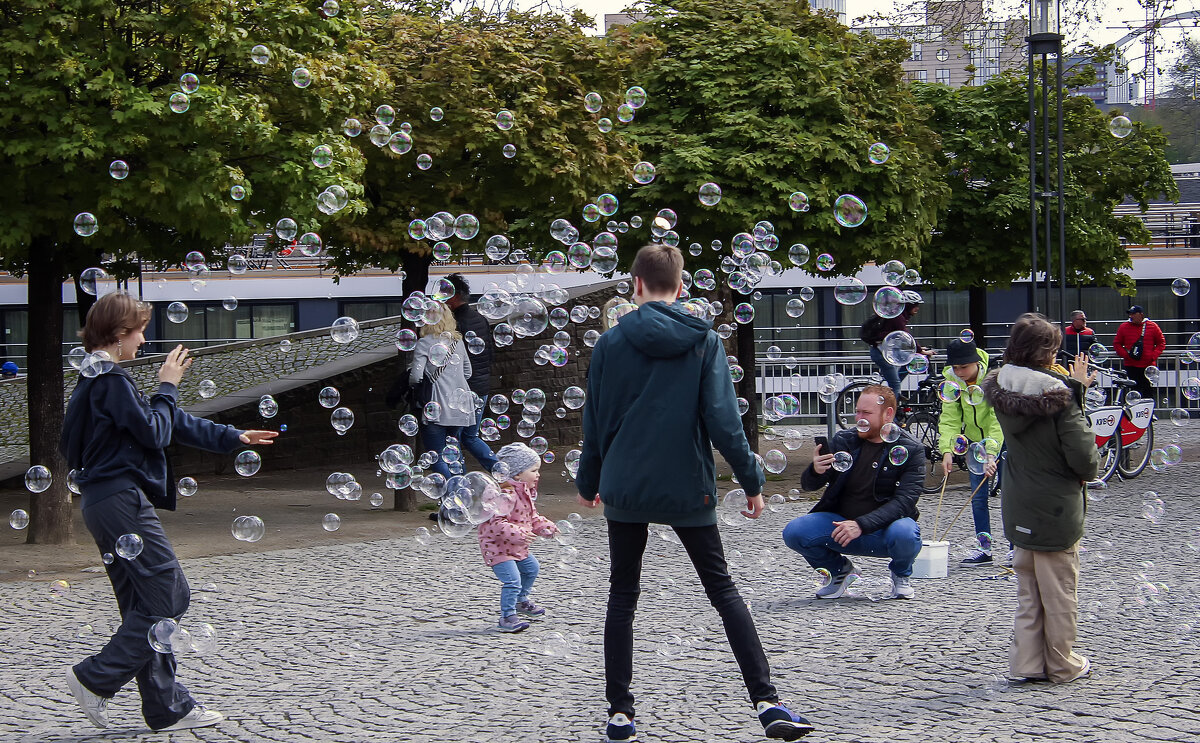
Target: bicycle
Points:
(1120, 430)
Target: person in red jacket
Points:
(1139, 343)
(1079, 336)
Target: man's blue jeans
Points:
(893, 375)
(812, 537)
(516, 579)
(475, 446)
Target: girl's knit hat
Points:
(519, 458)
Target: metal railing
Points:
(801, 377)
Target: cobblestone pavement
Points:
(391, 641)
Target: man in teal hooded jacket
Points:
(659, 398)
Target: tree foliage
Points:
(983, 234)
(765, 98)
(538, 66)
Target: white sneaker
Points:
(902, 587)
(94, 706)
(199, 717)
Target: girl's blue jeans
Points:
(516, 579)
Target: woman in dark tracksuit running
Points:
(114, 437)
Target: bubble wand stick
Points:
(938, 518)
(960, 511)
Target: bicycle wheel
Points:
(846, 403)
(1109, 454)
(924, 428)
(1134, 457)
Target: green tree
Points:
(90, 81)
(536, 65)
(765, 98)
(983, 235)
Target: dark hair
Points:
(1034, 341)
(660, 267)
(889, 397)
(461, 287)
(112, 315)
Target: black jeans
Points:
(1138, 374)
(148, 588)
(626, 545)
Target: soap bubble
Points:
(849, 210)
(85, 224)
(37, 479)
(1152, 373)
(960, 444)
(424, 161)
(889, 432)
(380, 135)
(237, 192)
(794, 307)
(247, 463)
(948, 391)
(301, 77)
(974, 395)
(423, 536)
(229, 303)
(1098, 352)
(509, 151)
(118, 169)
(187, 486)
(260, 54)
(504, 120)
(710, 194)
(592, 102)
(385, 115)
(331, 522)
(1180, 287)
(898, 455)
(898, 348)
(850, 291)
(248, 528)
(1180, 417)
(574, 397)
(744, 313)
(95, 364)
(605, 125)
(129, 546)
(329, 397)
(825, 262)
(344, 330)
(1120, 127)
(286, 229)
(322, 156)
(842, 460)
(643, 173)
(798, 254)
(341, 419)
(161, 635)
(730, 508)
(1191, 388)
(977, 458)
(635, 97)
(497, 247)
(436, 113)
(798, 201)
(775, 461)
(878, 153)
(18, 519)
(888, 302)
(352, 127)
(267, 407)
(179, 102)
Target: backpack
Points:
(871, 331)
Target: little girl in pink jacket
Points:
(504, 540)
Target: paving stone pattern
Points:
(391, 641)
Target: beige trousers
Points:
(1047, 611)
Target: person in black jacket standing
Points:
(114, 437)
(470, 321)
(869, 508)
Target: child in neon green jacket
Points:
(966, 421)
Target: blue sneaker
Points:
(620, 729)
(781, 723)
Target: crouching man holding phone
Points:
(869, 508)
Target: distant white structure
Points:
(837, 6)
(621, 19)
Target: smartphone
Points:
(822, 442)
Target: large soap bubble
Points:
(898, 348)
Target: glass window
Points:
(922, 76)
(191, 331)
(273, 319)
(943, 55)
(916, 52)
(942, 76)
(370, 310)
(225, 325)
(15, 325)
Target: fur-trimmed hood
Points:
(1025, 393)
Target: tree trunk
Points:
(83, 301)
(416, 271)
(977, 316)
(49, 511)
(746, 388)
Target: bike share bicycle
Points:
(1124, 431)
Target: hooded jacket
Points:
(115, 437)
(976, 422)
(659, 399)
(897, 487)
(1051, 454)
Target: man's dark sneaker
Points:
(839, 583)
(978, 559)
(620, 729)
(780, 723)
(529, 609)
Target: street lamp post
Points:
(1045, 39)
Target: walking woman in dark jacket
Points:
(1051, 454)
(114, 437)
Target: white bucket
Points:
(932, 561)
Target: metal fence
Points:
(801, 377)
